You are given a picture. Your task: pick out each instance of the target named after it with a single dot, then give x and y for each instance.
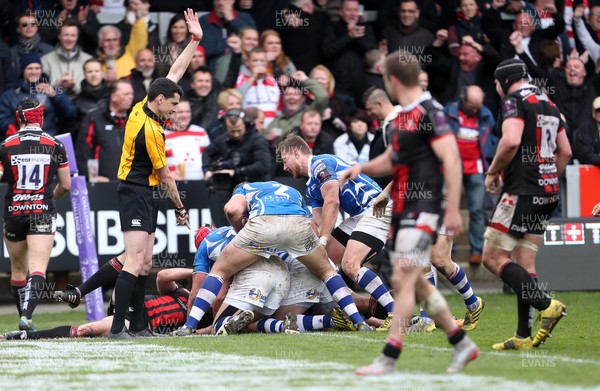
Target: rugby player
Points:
(533, 151)
(422, 144)
(31, 159)
(360, 236)
(278, 220)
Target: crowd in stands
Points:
(312, 67)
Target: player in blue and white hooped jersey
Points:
(278, 220)
(360, 236)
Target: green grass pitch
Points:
(315, 361)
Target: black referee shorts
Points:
(138, 207)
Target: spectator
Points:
(294, 104)
(258, 89)
(333, 123)
(102, 132)
(258, 117)
(278, 63)
(248, 40)
(310, 131)
(64, 65)
(198, 60)
(589, 42)
(407, 35)
(94, 91)
(185, 145)
(587, 138)
(531, 37)
(203, 99)
(378, 104)
(227, 99)
(498, 21)
(142, 75)
(344, 46)
(354, 146)
(475, 65)
(262, 11)
(177, 39)
(222, 21)
(473, 125)
(119, 62)
(468, 22)
(302, 44)
(424, 80)
(239, 155)
(29, 40)
(135, 8)
(70, 10)
(372, 74)
(58, 109)
(8, 75)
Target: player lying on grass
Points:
(164, 312)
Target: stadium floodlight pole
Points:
(86, 239)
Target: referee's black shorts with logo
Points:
(138, 207)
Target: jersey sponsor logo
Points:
(548, 181)
(440, 122)
(544, 200)
(27, 197)
(28, 137)
(16, 160)
(27, 208)
(322, 173)
(509, 108)
(136, 222)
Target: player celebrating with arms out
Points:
(142, 169)
(422, 144)
(533, 152)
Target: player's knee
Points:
(350, 267)
(396, 279)
(434, 303)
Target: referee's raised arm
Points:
(181, 63)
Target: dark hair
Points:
(359, 115)
(176, 18)
(310, 113)
(165, 87)
(70, 23)
(27, 103)
(201, 69)
(374, 94)
(547, 53)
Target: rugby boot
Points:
(549, 318)
(514, 343)
(236, 323)
(472, 317)
(382, 365)
(464, 352)
(387, 323)
(71, 296)
(26, 324)
(290, 324)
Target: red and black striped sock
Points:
(106, 276)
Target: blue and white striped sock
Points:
(206, 296)
(268, 325)
(371, 283)
(313, 322)
(459, 279)
(342, 295)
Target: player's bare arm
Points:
(329, 212)
(563, 152)
(64, 183)
(446, 150)
(235, 210)
(167, 183)
(512, 133)
(377, 167)
(165, 279)
(183, 61)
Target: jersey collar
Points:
(425, 96)
(309, 161)
(152, 114)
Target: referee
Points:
(142, 169)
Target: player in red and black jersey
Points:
(30, 160)
(532, 153)
(165, 312)
(422, 144)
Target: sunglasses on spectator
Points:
(30, 24)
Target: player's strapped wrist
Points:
(323, 240)
(180, 212)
